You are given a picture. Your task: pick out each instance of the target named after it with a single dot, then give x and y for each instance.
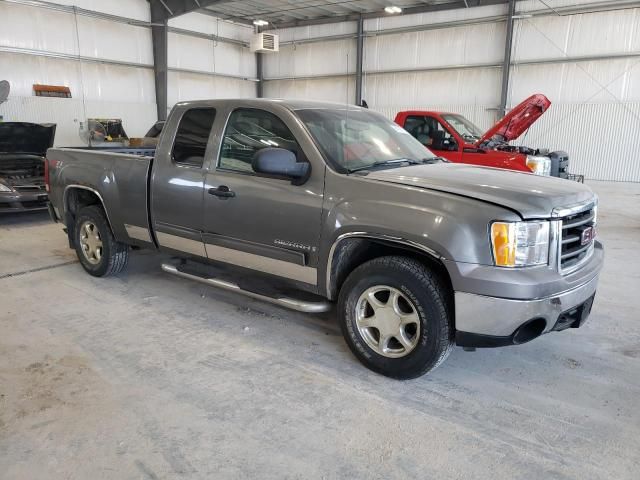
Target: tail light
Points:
(46, 174)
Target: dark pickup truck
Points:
(303, 204)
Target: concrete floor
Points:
(148, 376)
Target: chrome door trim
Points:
(375, 236)
(139, 233)
(263, 264)
(181, 244)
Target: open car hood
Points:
(24, 137)
(521, 117)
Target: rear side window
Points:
(192, 137)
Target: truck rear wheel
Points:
(394, 317)
(98, 251)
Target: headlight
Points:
(539, 165)
(520, 244)
(5, 188)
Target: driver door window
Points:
(249, 131)
(430, 132)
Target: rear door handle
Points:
(222, 191)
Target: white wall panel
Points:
(22, 71)
(341, 89)
(599, 137)
(198, 22)
(322, 58)
(315, 31)
(450, 87)
(190, 86)
(100, 81)
(108, 40)
(23, 26)
(27, 27)
(117, 83)
(205, 55)
(136, 9)
(430, 18)
(68, 112)
(602, 33)
(578, 82)
(472, 44)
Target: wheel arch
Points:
(76, 197)
(351, 250)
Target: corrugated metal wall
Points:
(433, 64)
(115, 75)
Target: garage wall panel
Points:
(198, 22)
(190, 86)
(466, 45)
(103, 39)
(339, 89)
(32, 28)
(135, 9)
(319, 58)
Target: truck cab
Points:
(457, 139)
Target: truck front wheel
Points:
(394, 317)
(98, 251)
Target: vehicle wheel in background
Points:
(394, 317)
(98, 251)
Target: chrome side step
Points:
(292, 303)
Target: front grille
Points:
(578, 232)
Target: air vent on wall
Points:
(264, 43)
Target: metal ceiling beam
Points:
(173, 8)
(379, 14)
(506, 64)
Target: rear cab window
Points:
(192, 137)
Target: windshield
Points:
(354, 139)
(464, 127)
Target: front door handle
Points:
(222, 191)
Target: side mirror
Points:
(279, 162)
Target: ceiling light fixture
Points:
(392, 9)
(260, 23)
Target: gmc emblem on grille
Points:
(587, 236)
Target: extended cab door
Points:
(178, 180)
(259, 222)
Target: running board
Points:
(292, 303)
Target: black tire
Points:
(433, 340)
(114, 254)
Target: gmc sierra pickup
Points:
(303, 204)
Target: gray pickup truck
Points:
(304, 204)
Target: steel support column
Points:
(359, 50)
(259, 75)
(160, 38)
(506, 65)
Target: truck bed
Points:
(118, 176)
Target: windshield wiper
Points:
(382, 163)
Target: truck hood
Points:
(532, 196)
(23, 137)
(521, 117)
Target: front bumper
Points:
(23, 201)
(490, 321)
